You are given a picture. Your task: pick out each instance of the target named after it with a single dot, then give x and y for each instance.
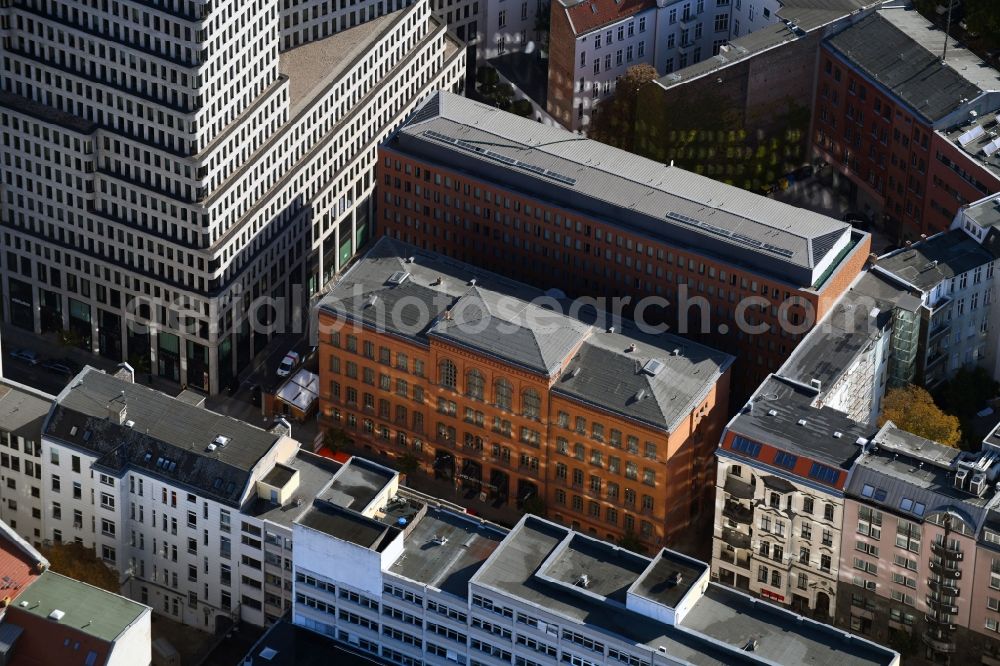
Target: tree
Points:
(630, 541)
(407, 463)
(983, 19)
(335, 439)
(533, 504)
(614, 119)
(912, 409)
(77, 561)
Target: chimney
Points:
(117, 409)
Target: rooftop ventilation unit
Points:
(372, 300)
(978, 485)
(611, 329)
(211, 447)
(751, 645)
(802, 422)
(640, 395)
(221, 440)
(960, 476)
(57, 615)
(838, 434)
(772, 412)
(631, 348)
(583, 581)
(267, 654)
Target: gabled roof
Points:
(587, 15)
(927, 263)
(901, 50)
(162, 436)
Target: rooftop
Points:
(985, 212)
(587, 15)
(715, 629)
(22, 410)
(315, 474)
(794, 20)
(645, 197)
(830, 348)
(907, 474)
(445, 549)
(901, 50)
(161, 435)
(784, 414)
(95, 612)
(313, 66)
(279, 475)
(20, 563)
(656, 379)
(347, 525)
(357, 483)
(979, 138)
(927, 263)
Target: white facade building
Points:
(408, 579)
(22, 411)
(173, 162)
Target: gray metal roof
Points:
(986, 212)
(902, 466)
(791, 403)
(640, 195)
(941, 257)
(901, 50)
(714, 631)
(168, 438)
(518, 324)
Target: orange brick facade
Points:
(902, 171)
(547, 246)
(500, 433)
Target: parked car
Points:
(61, 366)
(26, 355)
(289, 363)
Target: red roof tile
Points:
(20, 564)
(592, 14)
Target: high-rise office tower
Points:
(168, 162)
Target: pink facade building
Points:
(920, 553)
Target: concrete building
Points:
(164, 168)
(915, 138)
(47, 618)
(544, 206)
(920, 552)
(22, 412)
(516, 397)
(409, 579)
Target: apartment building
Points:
(409, 579)
(915, 137)
(920, 549)
(22, 412)
(545, 206)
(515, 396)
(952, 275)
(165, 167)
(182, 502)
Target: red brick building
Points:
(898, 124)
(462, 370)
(555, 210)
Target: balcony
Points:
(943, 587)
(731, 557)
(947, 552)
(737, 512)
(945, 570)
(736, 539)
(737, 488)
(941, 606)
(939, 645)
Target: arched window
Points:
(474, 384)
(531, 404)
(447, 374)
(503, 394)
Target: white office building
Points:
(170, 162)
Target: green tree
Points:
(631, 541)
(335, 439)
(983, 18)
(77, 561)
(533, 504)
(912, 409)
(614, 119)
(407, 463)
